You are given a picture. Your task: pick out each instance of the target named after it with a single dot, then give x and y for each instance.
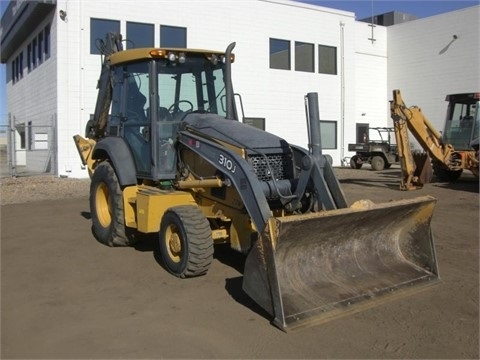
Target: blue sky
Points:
(362, 9)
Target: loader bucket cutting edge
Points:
(313, 268)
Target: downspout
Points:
(342, 91)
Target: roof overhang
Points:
(20, 19)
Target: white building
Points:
(284, 50)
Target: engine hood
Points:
(215, 127)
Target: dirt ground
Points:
(64, 295)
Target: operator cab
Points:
(153, 92)
(463, 120)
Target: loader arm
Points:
(301, 268)
(234, 167)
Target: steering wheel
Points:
(177, 105)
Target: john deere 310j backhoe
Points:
(168, 156)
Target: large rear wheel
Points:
(378, 163)
(106, 207)
(185, 241)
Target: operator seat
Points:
(134, 107)
(137, 128)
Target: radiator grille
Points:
(280, 165)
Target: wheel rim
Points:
(102, 206)
(173, 243)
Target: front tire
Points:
(185, 241)
(354, 162)
(106, 207)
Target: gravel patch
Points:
(44, 187)
(26, 189)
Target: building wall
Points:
(32, 99)
(371, 101)
(276, 95)
(426, 63)
(419, 57)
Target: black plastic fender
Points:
(117, 150)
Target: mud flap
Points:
(312, 268)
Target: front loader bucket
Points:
(312, 268)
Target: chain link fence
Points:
(28, 148)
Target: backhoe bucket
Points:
(312, 268)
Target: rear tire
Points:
(444, 175)
(185, 241)
(106, 207)
(354, 162)
(378, 163)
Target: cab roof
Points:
(129, 55)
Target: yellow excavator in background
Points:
(168, 156)
(455, 150)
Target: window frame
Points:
(98, 22)
(40, 47)
(130, 44)
(308, 67)
(288, 55)
(34, 53)
(321, 64)
(29, 57)
(322, 134)
(172, 44)
(46, 46)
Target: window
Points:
(279, 54)
(327, 60)
(46, 48)
(304, 58)
(17, 68)
(29, 57)
(139, 35)
(20, 58)
(34, 53)
(132, 85)
(98, 29)
(40, 141)
(13, 71)
(328, 133)
(40, 48)
(259, 123)
(173, 36)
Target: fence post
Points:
(11, 146)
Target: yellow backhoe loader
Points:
(168, 156)
(455, 150)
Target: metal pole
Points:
(11, 146)
(313, 124)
